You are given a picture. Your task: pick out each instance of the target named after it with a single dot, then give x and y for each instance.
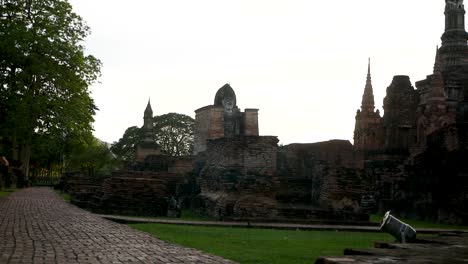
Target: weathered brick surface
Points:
(81, 188)
(250, 122)
(238, 177)
(132, 192)
(319, 181)
(145, 149)
(246, 177)
(131, 196)
(164, 163)
(400, 105)
(135, 193)
(36, 226)
(420, 171)
(431, 185)
(223, 119)
(209, 122)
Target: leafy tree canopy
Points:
(124, 149)
(44, 74)
(94, 157)
(173, 132)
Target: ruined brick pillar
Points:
(209, 124)
(250, 122)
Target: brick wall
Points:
(250, 122)
(432, 185)
(136, 193)
(145, 149)
(209, 124)
(320, 180)
(238, 177)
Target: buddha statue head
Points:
(226, 97)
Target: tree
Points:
(51, 158)
(44, 75)
(173, 132)
(124, 149)
(95, 158)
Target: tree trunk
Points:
(25, 157)
(15, 149)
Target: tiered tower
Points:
(455, 37)
(436, 110)
(147, 129)
(444, 94)
(453, 61)
(147, 145)
(367, 132)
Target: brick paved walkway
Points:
(37, 226)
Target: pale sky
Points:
(303, 63)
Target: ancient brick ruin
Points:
(411, 160)
(147, 146)
(143, 188)
(244, 176)
(223, 119)
(415, 155)
(242, 182)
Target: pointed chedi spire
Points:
(368, 104)
(148, 124)
(437, 82)
(148, 110)
(368, 121)
(368, 69)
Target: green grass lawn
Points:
(6, 191)
(418, 223)
(249, 245)
(186, 215)
(65, 196)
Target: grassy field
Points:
(249, 245)
(5, 192)
(185, 216)
(419, 224)
(188, 215)
(65, 196)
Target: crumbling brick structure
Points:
(418, 170)
(243, 176)
(135, 193)
(223, 119)
(318, 181)
(238, 177)
(144, 188)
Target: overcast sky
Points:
(303, 63)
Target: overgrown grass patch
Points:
(6, 191)
(249, 245)
(193, 216)
(65, 196)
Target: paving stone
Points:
(37, 226)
